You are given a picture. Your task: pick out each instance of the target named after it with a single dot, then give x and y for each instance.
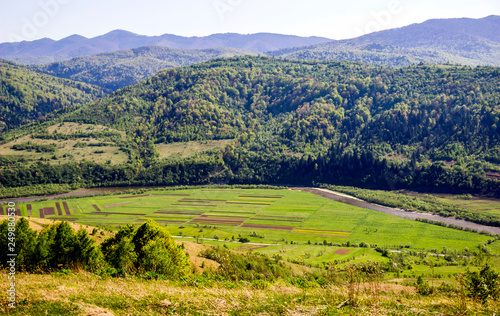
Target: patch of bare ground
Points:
(194, 249)
(493, 175)
(92, 310)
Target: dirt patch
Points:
(250, 247)
(47, 211)
(66, 208)
(493, 175)
(272, 227)
(93, 310)
(59, 210)
(96, 208)
(194, 250)
(342, 251)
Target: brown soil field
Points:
(342, 251)
(97, 208)
(272, 227)
(59, 210)
(66, 208)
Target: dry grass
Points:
(87, 294)
(189, 149)
(66, 147)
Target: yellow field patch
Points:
(189, 149)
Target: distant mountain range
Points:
(122, 68)
(119, 58)
(463, 41)
(47, 50)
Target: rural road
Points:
(339, 197)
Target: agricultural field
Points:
(480, 204)
(68, 142)
(189, 149)
(297, 225)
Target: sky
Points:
(34, 19)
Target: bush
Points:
(483, 284)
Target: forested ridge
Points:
(432, 127)
(122, 68)
(26, 95)
(307, 106)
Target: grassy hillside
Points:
(122, 68)
(27, 96)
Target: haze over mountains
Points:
(47, 50)
(462, 41)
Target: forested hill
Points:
(462, 41)
(122, 68)
(314, 103)
(419, 113)
(26, 96)
(434, 127)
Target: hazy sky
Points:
(34, 19)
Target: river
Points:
(339, 197)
